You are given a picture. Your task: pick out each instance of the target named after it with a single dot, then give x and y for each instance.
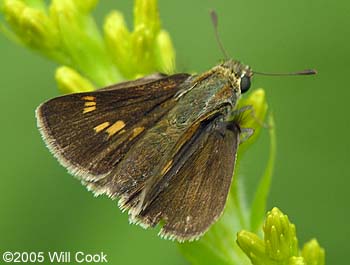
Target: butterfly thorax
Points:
(215, 91)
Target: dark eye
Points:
(245, 84)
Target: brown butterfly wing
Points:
(90, 132)
(193, 193)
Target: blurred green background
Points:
(44, 209)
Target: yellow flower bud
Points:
(280, 245)
(165, 53)
(13, 10)
(297, 261)
(252, 246)
(33, 26)
(38, 28)
(85, 6)
(146, 15)
(82, 43)
(70, 81)
(313, 253)
(117, 37)
(280, 236)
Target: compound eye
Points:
(245, 84)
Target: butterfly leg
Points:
(238, 117)
(243, 113)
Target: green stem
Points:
(258, 208)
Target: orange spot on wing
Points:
(88, 109)
(136, 131)
(90, 103)
(116, 127)
(91, 98)
(101, 126)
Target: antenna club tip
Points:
(214, 17)
(310, 72)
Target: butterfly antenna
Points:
(303, 72)
(214, 19)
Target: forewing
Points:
(90, 132)
(137, 82)
(193, 193)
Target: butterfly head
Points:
(240, 72)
